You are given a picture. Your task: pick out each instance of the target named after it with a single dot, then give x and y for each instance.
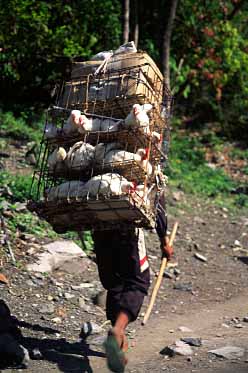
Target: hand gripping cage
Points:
(105, 172)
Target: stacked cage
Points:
(99, 162)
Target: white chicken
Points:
(157, 137)
(118, 156)
(112, 184)
(74, 122)
(69, 189)
(101, 150)
(78, 122)
(144, 162)
(80, 156)
(138, 117)
(106, 184)
(97, 124)
(55, 160)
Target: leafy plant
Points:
(18, 128)
(19, 185)
(189, 171)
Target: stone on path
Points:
(197, 342)
(47, 308)
(89, 328)
(55, 254)
(229, 352)
(200, 257)
(178, 348)
(184, 329)
(183, 287)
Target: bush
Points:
(19, 186)
(21, 128)
(188, 169)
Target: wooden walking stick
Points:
(159, 279)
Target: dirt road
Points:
(209, 297)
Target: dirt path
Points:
(206, 323)
(208, 297)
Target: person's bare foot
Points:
(121, 338)
(115, 346)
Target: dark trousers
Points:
(119, 266)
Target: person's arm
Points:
(161, 226)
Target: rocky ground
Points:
(203, 296)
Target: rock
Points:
(47, 308)
(245, 319)
(239, 326)
(30, 283)
(184, 329)
(197, 342)
(100, 299)
(211, 165)
(168, 274)
(200, 257)
(229, 352)
(55, 254)
(4, 205)
(89, 328)
(199, 220)
(83, 305)
(84, 285)
(75, 266)
(57, 320)
(177, 272)
(20, 206)
(36, 354)
(183, 287)
(68, 296)
(96, 340)
(177, 196)
(237, 243)
(178, 348)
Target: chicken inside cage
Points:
(102, 145)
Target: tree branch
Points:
(167, 40)
(235, 10)
(126, 11)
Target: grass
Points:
(21, 128)
(189, 171)
(18, 185)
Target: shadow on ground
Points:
(69, 357)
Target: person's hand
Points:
(167, 250)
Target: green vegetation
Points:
(18, 185)
(209, 79)
(208, 63)
(189, 171)
(22, 127)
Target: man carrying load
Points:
(124, 272)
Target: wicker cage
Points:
(107, 176)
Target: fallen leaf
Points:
(3, 279)
(61, 312)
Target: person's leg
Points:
(134, 272)
(131, 261)
(106, 250)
